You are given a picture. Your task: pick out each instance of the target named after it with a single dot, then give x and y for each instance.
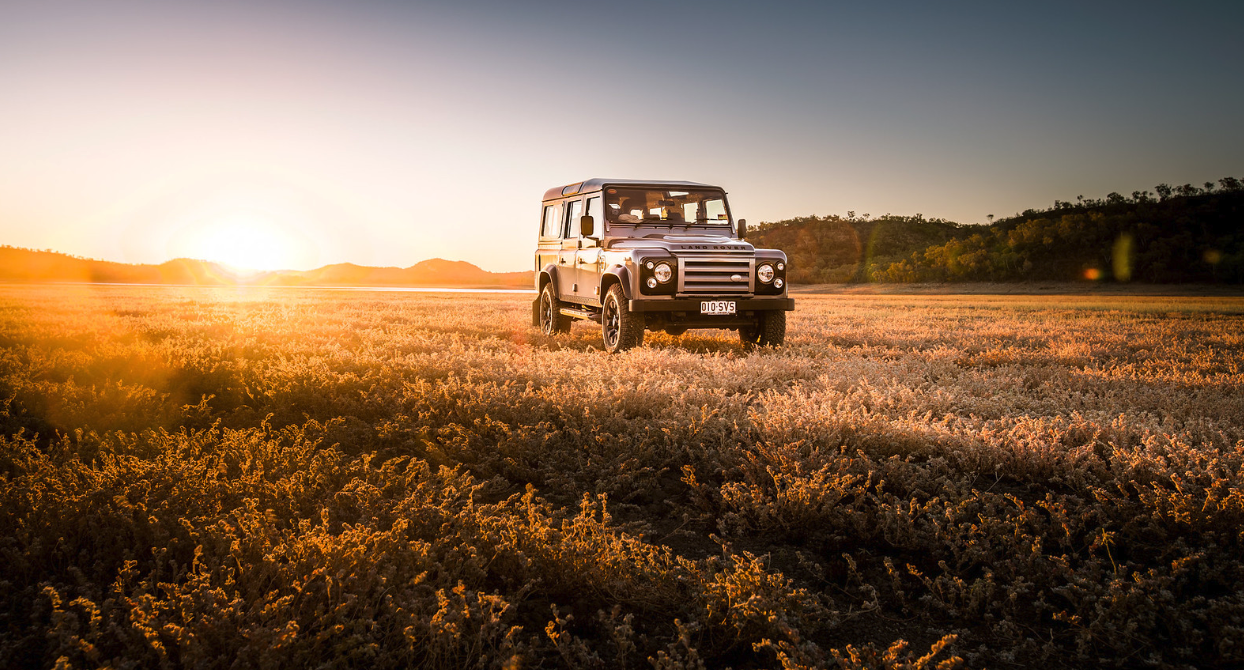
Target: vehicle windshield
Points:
(674, 207)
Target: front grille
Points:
(702, 275)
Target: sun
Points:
(245, 242)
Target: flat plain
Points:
(291, 478)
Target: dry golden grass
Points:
(285, 478)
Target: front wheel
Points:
(552, 321)
(621, 328)
(769, 331)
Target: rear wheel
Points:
(552, 321)
(769, 331)
(621, 328)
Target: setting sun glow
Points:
(244, 242)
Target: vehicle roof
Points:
(597, 183)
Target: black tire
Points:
(769, 331)
(620, 328)
(552, 321)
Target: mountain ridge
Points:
(1176, 235)
(20, 265)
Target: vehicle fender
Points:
(619, 274)
(547, 275)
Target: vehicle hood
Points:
(683, 243)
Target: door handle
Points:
(561, 261)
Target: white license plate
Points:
(718, 307)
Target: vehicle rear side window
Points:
(550, 227)
(574, 210)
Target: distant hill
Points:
(1184, 234)
(432, 272)
(28, 265)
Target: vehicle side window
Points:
(597, 213)
(550, 227)
(574, 210)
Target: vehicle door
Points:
(550, 245)
(589, 257)
(567, 264)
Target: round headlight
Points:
(777, 283)
(652, 283)
(765, 273)
(649, 265)
(781, 265)
(663, 272)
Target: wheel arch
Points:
(618, 274)
(548, 274)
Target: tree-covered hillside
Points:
(1174, 235)
(833, 249)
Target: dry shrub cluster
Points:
(221, 478)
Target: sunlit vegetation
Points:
(1172, 235)
(288, 478)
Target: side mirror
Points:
(742, 228)
(587, 226)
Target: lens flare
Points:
(1123, 258)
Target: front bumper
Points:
(692, 305)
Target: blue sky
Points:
(387, 133)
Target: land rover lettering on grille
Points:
(634, 256)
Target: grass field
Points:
(220, 478)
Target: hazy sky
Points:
(384, 133)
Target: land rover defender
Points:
(654, 255)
